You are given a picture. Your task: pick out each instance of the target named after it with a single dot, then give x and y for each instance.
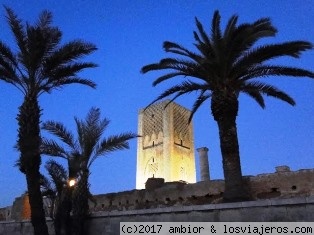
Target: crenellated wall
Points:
(281, 184)
(267, 210)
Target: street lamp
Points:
(72, 182)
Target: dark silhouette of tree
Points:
(81, 152)
(57, 191)
(38, 64)
(226, 64)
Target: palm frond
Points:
(216, 31)
(68, 53)
(254, 94)
(65, 71)
(80, 129)
(182, 68)
(53, 149)
(111, 144)
(268, 52)
(263, 28)
(168, 76)
(45, 19)
(199, 101)
(247, 35)
(94, 128)
(183, 88)
(7, 55)
(36, 47)
(62, 82)
(58, 174)
(8, 68)
(180, 50)
(269, 91)
(59, 130)
(272, 70)
(230, 28)
(205, 38)
(93, 117)
(17, 28)
(46, 188)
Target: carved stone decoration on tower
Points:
(166, 148)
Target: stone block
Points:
(228, 205)
(258, 203)
(310, 199)
(230, 215)
(297, 213)
(288, 201)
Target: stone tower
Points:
(166, 148)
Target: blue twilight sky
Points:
(129, 35)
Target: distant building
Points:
(166, 148)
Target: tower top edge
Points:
(202, 149)
(163, 103)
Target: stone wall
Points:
(5, 213)
(20, 210)
(275, 210)
(22, 227)
(281, 184)
(268, 210)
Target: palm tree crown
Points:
(40, 63)
(227, 63)
(82, 151)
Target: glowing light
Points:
(72, 182)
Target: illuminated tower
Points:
(166, 148)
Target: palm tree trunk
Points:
(62, 220)
(38, 217)
(225, 109)
(80, 205)
(29, 146)
(234, 188)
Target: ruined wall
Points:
(18, 211)
(22, 228)
(281, 196)
(5, 213)
(267, 210)
(281, 184)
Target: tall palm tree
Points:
(38, 65)
(226, 64)
(81, 152)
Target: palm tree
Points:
(38, 65)
(81, 152)
(57, 191)
(225, 64)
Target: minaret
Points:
(204, 166)
(166, 148)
